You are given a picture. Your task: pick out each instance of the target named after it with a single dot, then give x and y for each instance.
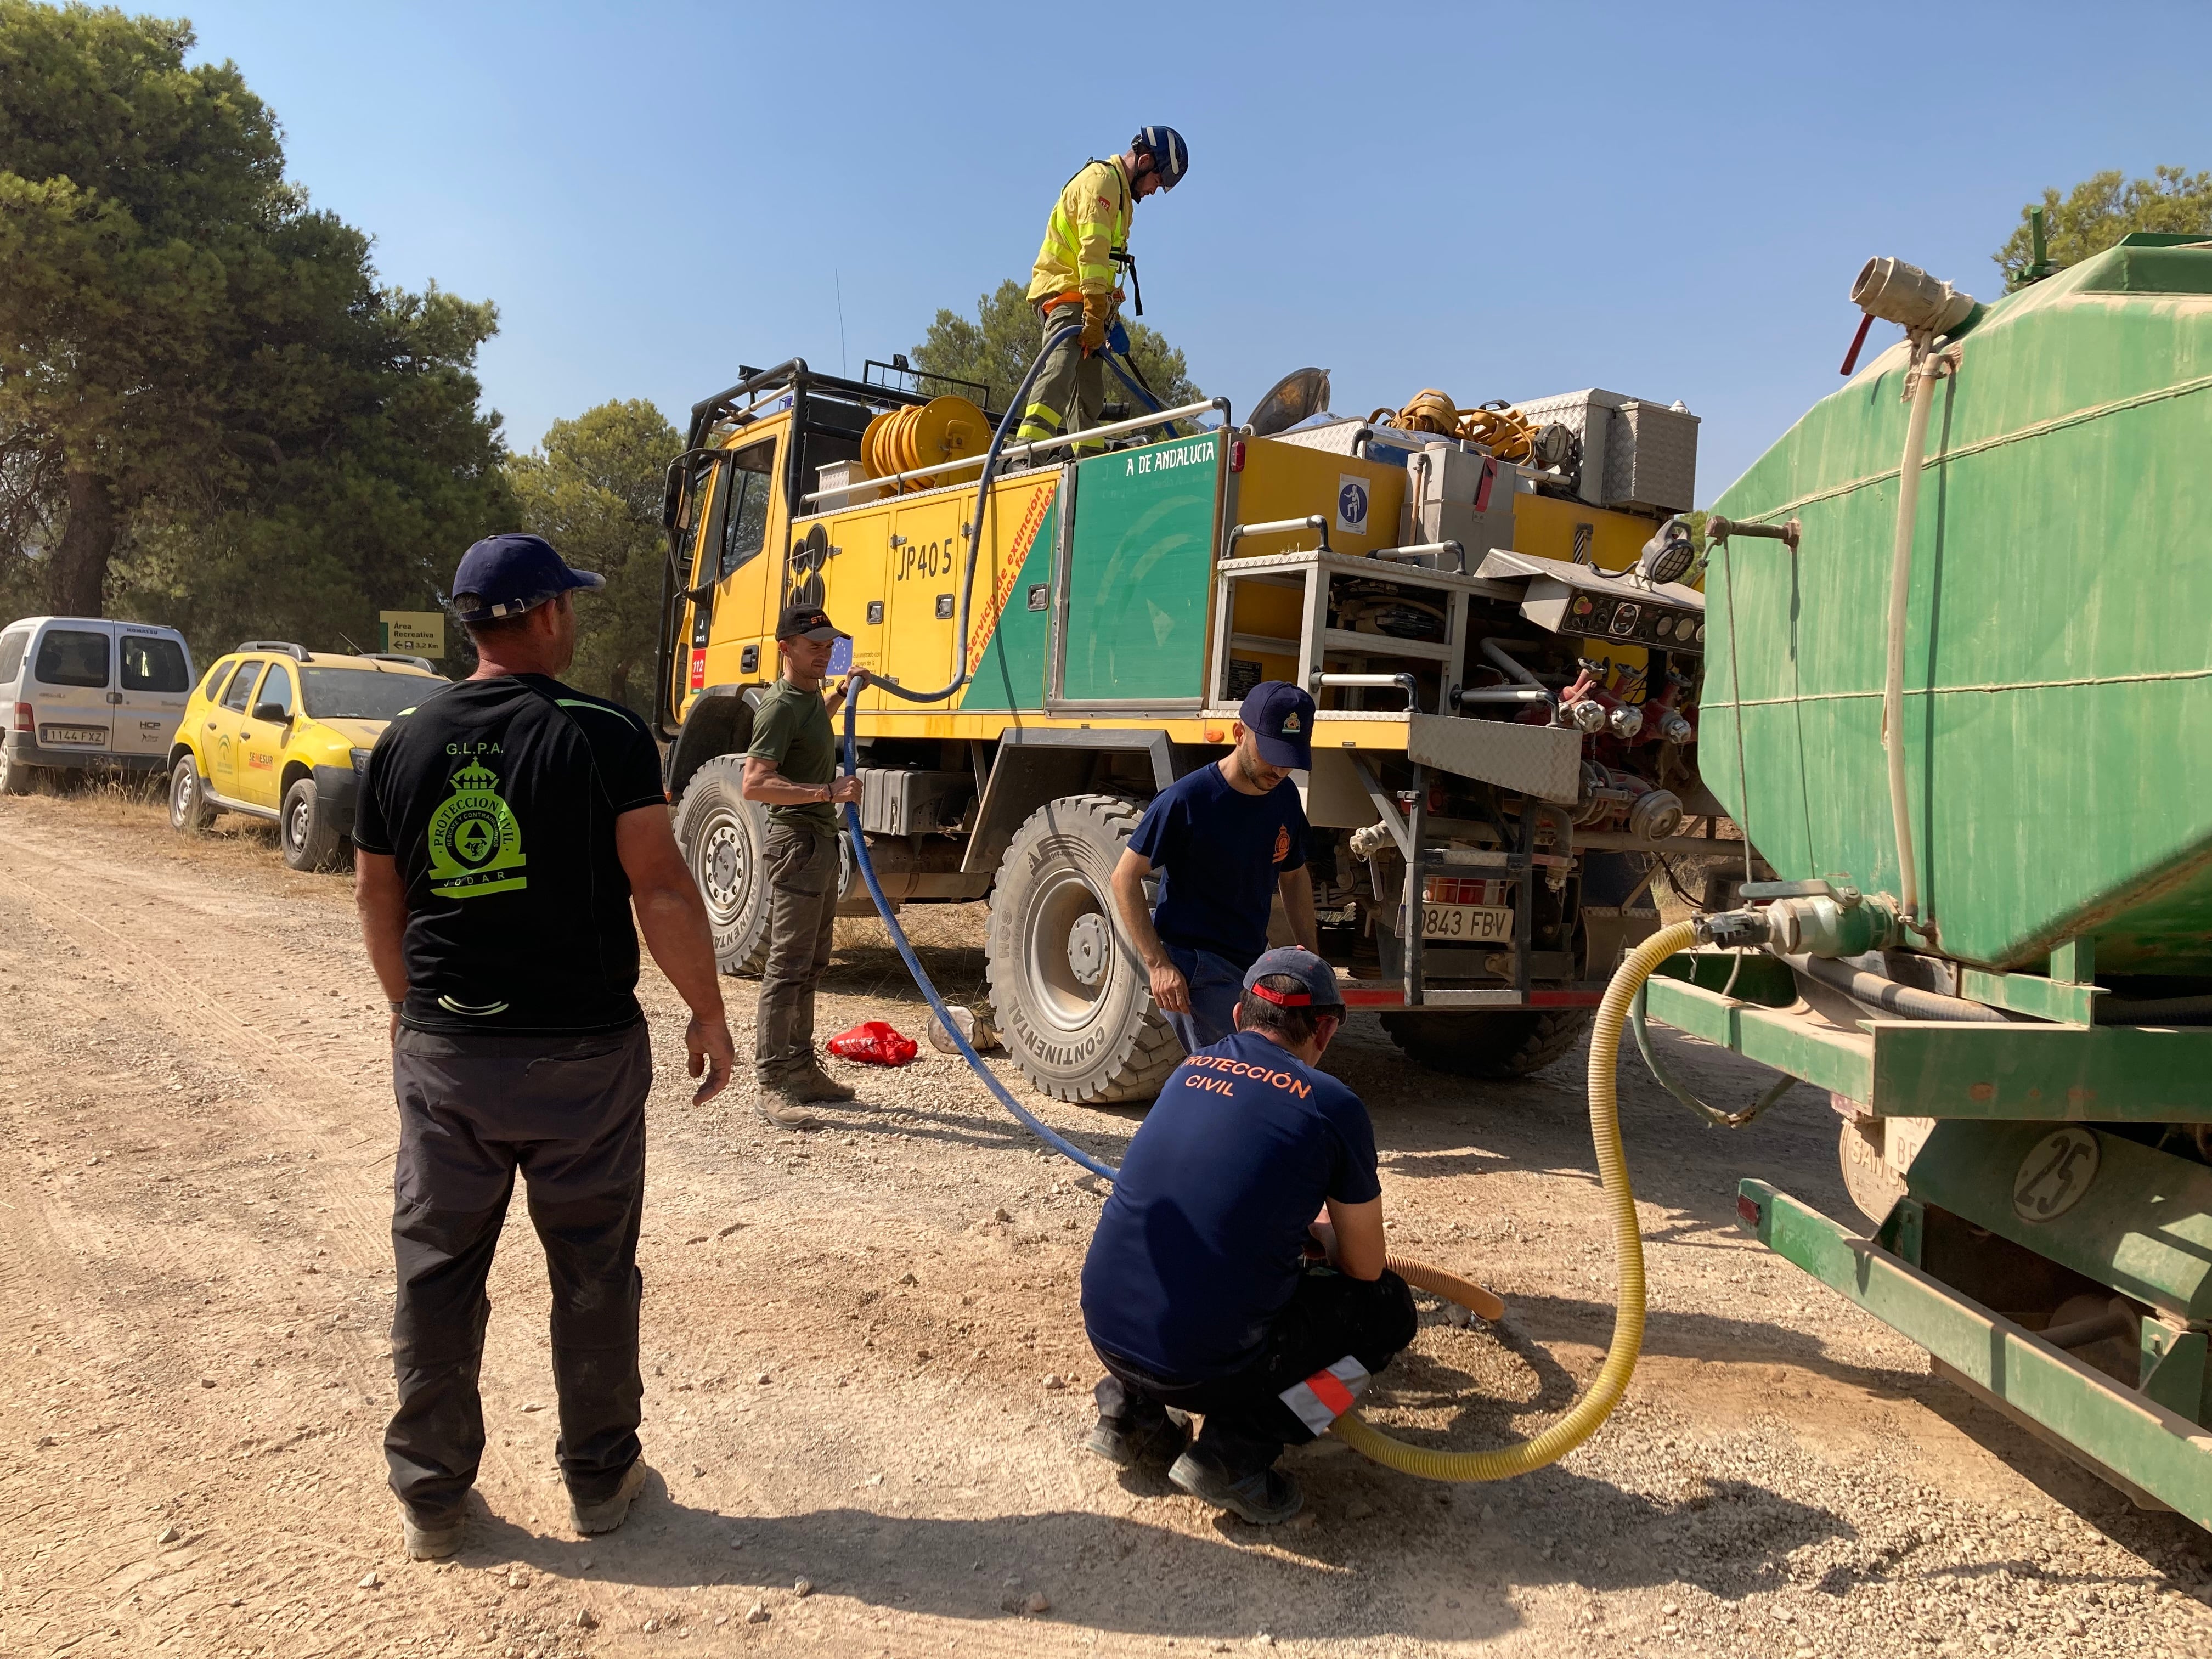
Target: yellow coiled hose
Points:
(1595, 1406)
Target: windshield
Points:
(361, 694)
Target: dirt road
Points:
(865, 1363)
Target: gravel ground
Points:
(865, 1369)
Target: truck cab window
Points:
(749, 478)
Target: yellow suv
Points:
(278, 732)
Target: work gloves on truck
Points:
(1097, 312)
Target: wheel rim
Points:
(1068, 938)
(724, 868)
(181, 796)
(295, 824)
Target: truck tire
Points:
(305, 832)
(1512, 1043)
(723, 834)
(190, 813)
(1073, 1003)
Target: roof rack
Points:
(297, 652)
(422, 662)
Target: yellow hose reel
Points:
(923, 435)
(1612, 1381)
(1505, 432)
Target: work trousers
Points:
(1216, 985)
(1247, 1424)
(1069, 389)
(570, 1114)
(802, 876)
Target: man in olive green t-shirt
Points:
(791, 765)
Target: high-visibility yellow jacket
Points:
(1090, 225)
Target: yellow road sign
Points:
(414, 633)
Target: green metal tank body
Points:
(2058, 664)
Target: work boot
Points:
(431, 1539)
(1266, 1498)
(1126, 1442)
(779, 1108)
(811, 1083)
(609, 1512)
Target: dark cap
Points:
(807, 622)
(1280, 719)
(1320, 996)
(505, 575)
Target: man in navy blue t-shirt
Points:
(1227, 837)
(1198, 1294)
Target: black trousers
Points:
(1246, 1425)
(570, 1114)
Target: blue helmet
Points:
(1170, 155)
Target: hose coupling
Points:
(1732, 929)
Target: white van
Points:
(83, 692)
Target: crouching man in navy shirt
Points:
(1198, 1294)
(1227, 836)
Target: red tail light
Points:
(24, 721)
(1236, 455)
(1747, 1211)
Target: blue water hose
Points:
(861, 862)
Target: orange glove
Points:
(1096, 309)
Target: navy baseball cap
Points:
(808, 621)
(505, 575)
(1321, 995)
(1280, 719)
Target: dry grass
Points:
(120, 803)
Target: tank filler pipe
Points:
(1929, 368)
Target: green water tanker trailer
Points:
(1959, 696)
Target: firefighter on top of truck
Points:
(1085, 240)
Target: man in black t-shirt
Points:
(508, 827)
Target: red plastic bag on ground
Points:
(874, 1042)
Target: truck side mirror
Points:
(671, 496)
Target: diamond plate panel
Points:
(1543, 761)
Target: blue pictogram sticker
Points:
(1351, 504)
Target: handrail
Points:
(1024, 451)
(1317, 680)
(1422, 549)
(1312, 521)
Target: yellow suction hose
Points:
(1595, 1405)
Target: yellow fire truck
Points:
(1499, 635)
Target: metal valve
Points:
(1626, 721)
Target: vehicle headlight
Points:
(360, 762)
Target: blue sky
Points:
(1667, 200)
